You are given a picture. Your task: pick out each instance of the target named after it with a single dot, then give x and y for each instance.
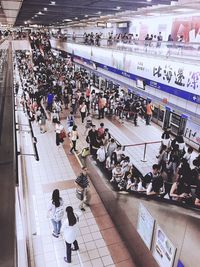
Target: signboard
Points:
(192, 132)
(177, 78)
(163, 251)
(145, 225)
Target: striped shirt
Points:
(82, 181)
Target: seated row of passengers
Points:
(171, 177)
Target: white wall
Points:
(83, 51)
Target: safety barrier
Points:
(160, 48)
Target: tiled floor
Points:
(100, 243)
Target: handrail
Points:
(164, 48)
(144, 143)
(136, 41)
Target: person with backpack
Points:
(56, 212)
(70, 231)
(82, 184)
(148, 178)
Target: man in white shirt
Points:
(101, 155)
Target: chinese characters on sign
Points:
(168, 74)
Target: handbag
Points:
(85, 152)
(62, 135)
(79, 194)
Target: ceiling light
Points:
(53, 2)
(67, 20)
(40, 13)
(45, 8)
(75, 18)
(25, 22)
(118, 7)
(148, 0)
(86, 16)
(99, 12)
(184, 10)
(36, 15)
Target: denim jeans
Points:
(56, 226)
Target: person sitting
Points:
(117, 174)
(148, 178)
(132, 182)
(126, 165)
(156, 186)
(181, 190)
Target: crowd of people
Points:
(172, 176)
(51, 84)
(91, 38)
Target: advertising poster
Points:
(177, 78)
(145, 225)
(163, 251)
(192, 132)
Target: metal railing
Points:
(160, 48)
(145, 144)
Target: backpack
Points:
(100, 132)
(58, 214)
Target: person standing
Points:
(56, 212)
(82, 183)
(83, 109)
(149, 109)
(59, 128)
(42, 123)
(92, 139)
(70, 231)
(74, 137)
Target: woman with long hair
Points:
(74, 137)
(56, 212)
(70, 232)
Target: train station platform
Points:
(99, 241)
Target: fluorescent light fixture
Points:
(40, 13)
(53, 3)
(184, 10)
(118, 7)
(67, 20)
(86, 16)
(36, 15)
(99, 12)
(148, 0)
(75, 18)
(45, 9)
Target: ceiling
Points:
(46, 12)
(8, 11)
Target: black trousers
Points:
(73, 146)
(83, 114)
(101, 113)
(68, 250)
